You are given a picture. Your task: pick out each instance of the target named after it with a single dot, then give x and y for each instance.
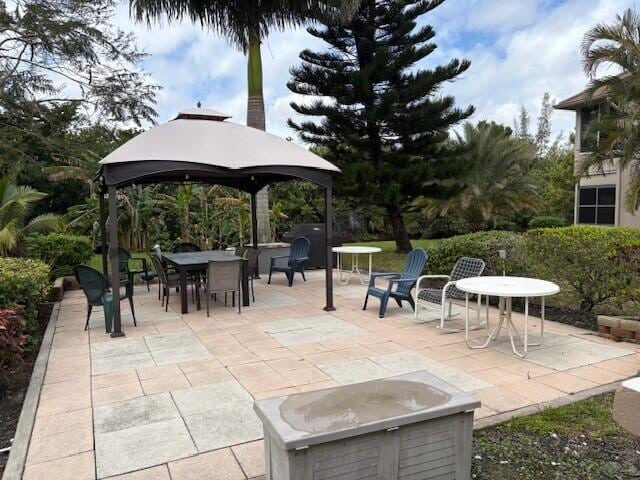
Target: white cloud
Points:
(519, 49)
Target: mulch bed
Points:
(13, 390)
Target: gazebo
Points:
(200, 146)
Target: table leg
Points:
(184, 301)
(245, 283)
(466, 325)
(370, 264)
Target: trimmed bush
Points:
(591, 264)
(12, 337)
(62, 252)
(546, 221)
(484, 245)
(24, 282)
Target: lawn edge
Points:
(494, 420)
(18, 453)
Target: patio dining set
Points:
(215, 272)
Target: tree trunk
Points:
(256, 119)
(400, 235)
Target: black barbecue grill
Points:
(315, 233)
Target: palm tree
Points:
(245, 24)
(618, 128)
(495, 181)
(15, 204)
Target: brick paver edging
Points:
(22, 437)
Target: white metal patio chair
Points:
(436, 299)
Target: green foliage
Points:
(546, 221)
(24, 282)
(62, 252)
(556, 181)
(16, 202)
(495, 182)
(12, 337)
(589, 263)
(384, 119)
(617, 129)
(484, 245)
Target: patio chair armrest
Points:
(301, 259)
(403, 280)
(374, 276)
(277, 257)
(431, 277)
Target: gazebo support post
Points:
(254, 227)
(113, 255)
(328, 243)
(103, 232)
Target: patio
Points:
(173, 399)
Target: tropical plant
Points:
(375, 113)
(16, 202)
(60, 251)
(616, 47)
(245, 24)
(184, 197)
(495, 180)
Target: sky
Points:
(519, 49)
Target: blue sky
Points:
(518, 50)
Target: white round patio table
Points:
(355, 251)
(507, 288)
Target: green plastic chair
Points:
(96, 288)
(146, 274)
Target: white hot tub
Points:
(412, 426)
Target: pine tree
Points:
(380, 119)
(543, 135)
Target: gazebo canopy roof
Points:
(199, 145)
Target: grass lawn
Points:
(388, 260)
(574, 442)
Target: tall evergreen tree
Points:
(381, 120)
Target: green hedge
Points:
(485, 245)
(545, 221)
(593, 265)
(62, 252)
(25, 282)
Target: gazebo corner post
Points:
(103, 231)
(328, 243)
(113, 255)
(254, 219)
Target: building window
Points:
(588, 140)
(597, 205)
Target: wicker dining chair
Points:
(224, 277)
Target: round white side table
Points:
(507, 288)
(355, 251)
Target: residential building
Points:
(600, 193)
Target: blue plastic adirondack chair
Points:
(400, 284)
(298, 255)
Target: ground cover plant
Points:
(574, 442)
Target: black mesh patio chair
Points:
(224, 277)
(253, 255)
(142, 269)
(96, 288)
(465, 267)
(399, 284)
(186, 247)
(298, 255)
(167, 281)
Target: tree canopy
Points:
(381, 119)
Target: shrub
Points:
(62, 252)
(484, 245)
(546, 221)
(591, 264)
(12, 338)
(24, 282)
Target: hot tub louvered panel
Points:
(355, 460)
(427, 451)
